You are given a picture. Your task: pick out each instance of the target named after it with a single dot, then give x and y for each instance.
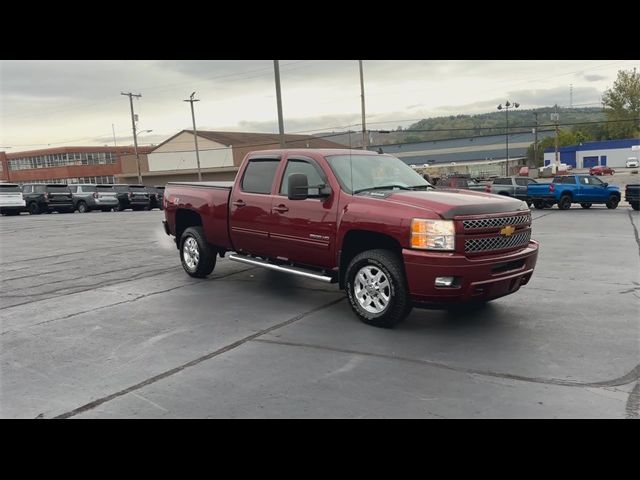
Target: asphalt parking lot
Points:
(100, 321)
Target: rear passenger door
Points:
(250, 208)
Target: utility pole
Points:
(276, 68)
(135, 136)
(195, 133)
(113, 129)
(364, 126)
(571, 95)
(535, 141)
(556, 117)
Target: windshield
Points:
(374, 171)
(104, 188)
(121, 188)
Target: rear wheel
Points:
(197, 257)
(539, 204)
(613, 202)
(82, 207)
(585, 205)
(565, 202)
(33, 208)
(635, 205)
(377, 288)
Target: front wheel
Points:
(377, 288)
(585, 205)
(613, 202)
(539, 204)
(635, 205)
(34, 209)
(197, 257)
(82, 207)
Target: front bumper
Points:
(478, 279)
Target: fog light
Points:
(445, 281)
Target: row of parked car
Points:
(564, 190)
(37, 198)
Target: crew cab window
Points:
(259, 174)
(301, 166)
(522, 181)
(73, 188)
(564, 180)
(27, 189)
(39, 189)
(502, 181)
(590, 181)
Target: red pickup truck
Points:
(364, 220)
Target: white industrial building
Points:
(613, 153)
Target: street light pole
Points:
(508, 105)
(135, 137)
(364, 126)
(276, 70)
(195, 133)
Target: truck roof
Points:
(307, 151)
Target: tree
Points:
(622, 102)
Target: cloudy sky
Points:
(55, 103)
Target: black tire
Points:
(539, 204)
(635, 206)
(565, 202)
(613, 202)
(206, 256)
(82, 207)
(585, 205)
(33, 208)
(390, 265)
(118, 208)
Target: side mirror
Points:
(605, 184)
(298, 186)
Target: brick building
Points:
(70, 164)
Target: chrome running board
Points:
(280, 268)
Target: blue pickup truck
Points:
(567, 189)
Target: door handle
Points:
(239, 203)
(280, 208)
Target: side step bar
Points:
(280, 268)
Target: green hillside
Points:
(439, 128)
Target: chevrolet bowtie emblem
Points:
(507, 231)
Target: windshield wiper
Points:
(382, 187)
(414, 187)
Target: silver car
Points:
(91, 196)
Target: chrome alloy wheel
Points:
(372, 289)
(190, 253)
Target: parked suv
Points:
(90, 196)
(510, 187)
(134, 197)
(11, 201)
(156, 194)
(47, 197)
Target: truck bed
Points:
(210, 199)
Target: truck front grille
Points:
(497, 243)
(497, 222)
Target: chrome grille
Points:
(496, 222)
(497, 243)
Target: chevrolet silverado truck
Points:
(363, 220)
(632, 195)
(568, 189)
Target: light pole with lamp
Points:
(506, 107)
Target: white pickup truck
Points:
(11, 200)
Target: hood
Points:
(450, 203)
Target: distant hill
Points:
(462, 126)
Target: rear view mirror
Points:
(298, 186)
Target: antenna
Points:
(350, 159)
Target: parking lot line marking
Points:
(168, 373)
(627, 378)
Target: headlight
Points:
(433, 234)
